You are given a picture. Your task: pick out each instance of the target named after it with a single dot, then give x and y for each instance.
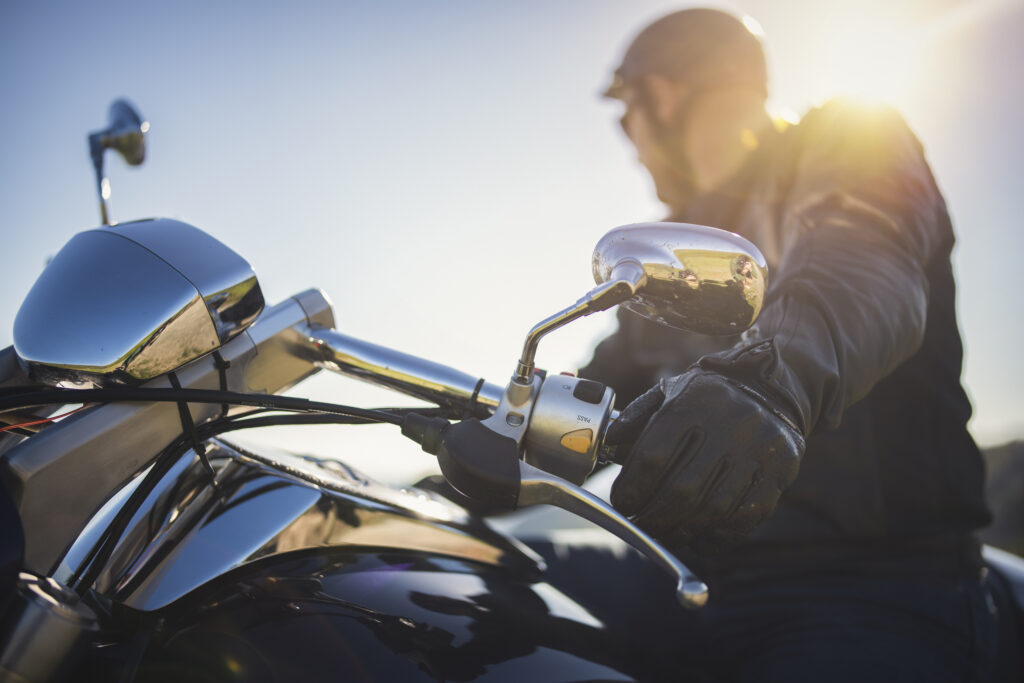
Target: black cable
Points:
(282, 420)
(100, 553)
(98, 556)
(188, 428)
(245, 421)
(222, 366)
(128, 394)
(469, 412)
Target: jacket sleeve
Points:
(863, 219)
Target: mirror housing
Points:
(129, 303)
(126, 134)
(686, 276)
(692, 277)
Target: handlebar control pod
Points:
(567, 426)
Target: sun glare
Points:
(888, 52)
(872, 61)
(753, 25)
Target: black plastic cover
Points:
(480, 463)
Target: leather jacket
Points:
(861, 307)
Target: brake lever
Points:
(482, 464)
(537, 487)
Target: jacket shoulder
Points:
(845, 124)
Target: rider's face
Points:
(652, 123)
(637, 124)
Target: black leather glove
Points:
(707, 453)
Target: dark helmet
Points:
(703, 47)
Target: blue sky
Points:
(443, 169)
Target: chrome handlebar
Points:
(402, 372)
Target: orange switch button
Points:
(579, 440)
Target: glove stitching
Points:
(692, 440)
(755, 479)
(766, 401)
(712, 483)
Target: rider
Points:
(817, 470)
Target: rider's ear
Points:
(664, 97)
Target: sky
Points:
(443, 169)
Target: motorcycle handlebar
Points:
(402, 372)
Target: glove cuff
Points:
(758, 370)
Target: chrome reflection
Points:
(190, 531)
(133, 302)
(224, 280)
(693, 277)
(403, 372)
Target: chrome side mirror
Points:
(126, 134)
(132, 302)
(686, 276)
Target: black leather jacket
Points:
(861, 307)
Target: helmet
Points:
(704, 47)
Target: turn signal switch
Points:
(567, 429)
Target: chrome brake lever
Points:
(537, 487)
(485, 465)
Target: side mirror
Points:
(132, 302)
(126, 134)
(687, 276)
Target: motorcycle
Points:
(156, 548)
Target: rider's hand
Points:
(707, 453)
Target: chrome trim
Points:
(695, 277)
(47, 630)
(107, 308)
(1010, 567)
(190, 532)
(85, 457)
(224, 280)
(132, 302)
(622, 284)
(402, 372)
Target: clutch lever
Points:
(484, 465)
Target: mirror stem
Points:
(102, 187)
(627, 277)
